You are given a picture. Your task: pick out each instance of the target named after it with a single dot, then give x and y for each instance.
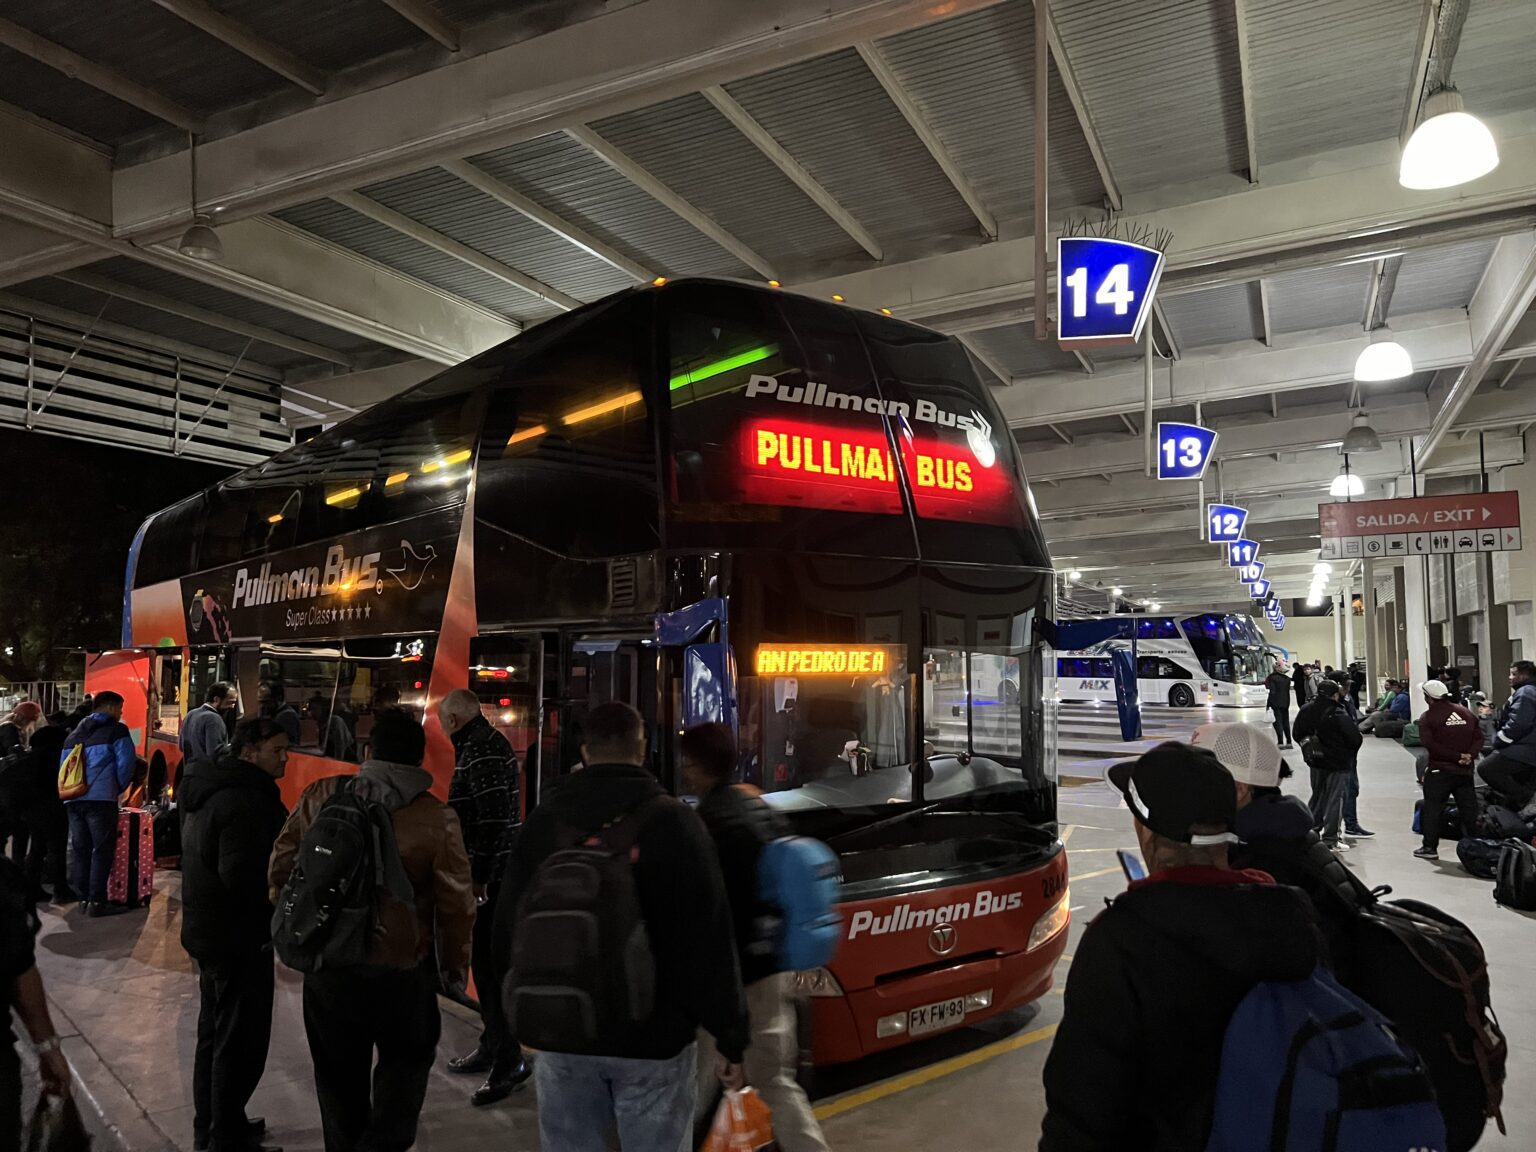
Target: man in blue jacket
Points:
(1399, 710)
(1511, 766)
(109, 763)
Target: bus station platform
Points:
(125, 995)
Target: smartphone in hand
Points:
(1131, 864)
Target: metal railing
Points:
(51, 695)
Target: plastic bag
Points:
(742, 1124)
(56, 1126)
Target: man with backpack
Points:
(231, 814)
(102, 768)
(1511, 767)
(614, 925)
(361, 927)
(1159, 973)
(742, 826)
(1452, 737)
(1329, 744)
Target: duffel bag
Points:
(1479, 855)
(1496, 822)
(1450, 820)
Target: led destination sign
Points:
(822, 659)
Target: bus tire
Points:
(1181, 696)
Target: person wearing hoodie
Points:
(48, 821)
(1335, 747)
(1299, 682)
(1511, 766)
(1452, 737)
(110, 760)
(643, 1078)
(1160, 971)
(387, 1007)
(1279, 685)
(231, 813)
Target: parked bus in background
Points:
(710, 501)
(1181, 661)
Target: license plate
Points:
(933, 1017)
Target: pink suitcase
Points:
(132, 881)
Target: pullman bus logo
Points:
(904, 917)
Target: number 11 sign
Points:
(1104, 289)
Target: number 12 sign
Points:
(1104, 289)
(1227, 522)
(1184, 451)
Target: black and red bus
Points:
(713, 501)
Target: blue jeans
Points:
(92, 838)
(582, 1098)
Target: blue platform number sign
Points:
(1241, 553)
(1248, 573)
(1184, 451)
(1226, 522)
(1104, 289)
(1259, 589)
(1280, 624)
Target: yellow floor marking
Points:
(840, 1104)
(1091, 875)
(1066, 832)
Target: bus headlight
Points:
(817, 982)
(1054, 919)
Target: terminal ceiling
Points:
(398, 184)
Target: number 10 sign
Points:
(1104, 289)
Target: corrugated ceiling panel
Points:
(332, 34)
(1319, 297)
(448, 204)
(330, 221)
(973, 77)
(1163, 86)
(54, 96)
(1443, 277)
(1222, 315)
(1328, 74)
(568, 179)
(1017, 350)
(130, 271)
(695, 151)
(149, 45)
(1494, 66)
(832, 115)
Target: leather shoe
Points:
(500, 1086)
(255, 1127)
(474, 1064)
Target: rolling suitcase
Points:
(132, 881)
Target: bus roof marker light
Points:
(836, 299)
(346, 494)
(886, 312)
(659, 282)
(603, 407)
(719, 367)
(276, 518)
(774, 284)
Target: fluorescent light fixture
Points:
(1383, 359)
(1322, 566)
(1155, 607)
(1449, 147)
(1361, 437)
(1116, 590)
(1314, 601)
(1074, 575)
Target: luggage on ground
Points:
(741, 1124)
(799, 876)
(1514, 881)
(167, 833)
(1496, 822)
(72, 781)
(1479, 855)
(1306, 1065)
(1450, 820)
(582, 966)
(1411, 735)
(132, 879)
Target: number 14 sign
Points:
(1104, 289)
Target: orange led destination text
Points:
(830, 456)
(801, 660)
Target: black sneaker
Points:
(1359, 833)
(1427, 853)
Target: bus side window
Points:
(1104, 669)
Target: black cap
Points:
(1175, 788)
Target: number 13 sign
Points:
(1184, 451)
(1104, 289)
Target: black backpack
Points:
(347, 865)
(583, 973)
(1479, 856)
(1426, 973)
(1514, 881)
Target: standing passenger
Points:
(484, 796)
(110, 761)
(1299, 680)
(1452, 737)
(15, 779)
(48, 822)
(1279, 685)
(231, 813)
(204, 732)
(1337, 744)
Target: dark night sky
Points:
(70, 514)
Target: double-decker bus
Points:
(1181, 661)
(711, 501)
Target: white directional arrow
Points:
(1486, 513)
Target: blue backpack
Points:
(1307, 1066)
(800, 877)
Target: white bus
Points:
(1181, 661)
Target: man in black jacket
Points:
(1279, 685)
(1335, 743)
(1299, 680)
(1159, 972)
(641, 1079)
(231, 814)
(741, 824)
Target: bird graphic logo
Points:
(408, 566)
(979, 437)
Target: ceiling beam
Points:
(1245, 70)
(1166, 329)
(1130, 425)
(1264, 320)
(875, 61)
(102, 78)
(27, 252)
(990, 362)
(174, 307)
(1429, 16)
(1079, 103)
(1509, 373)
(571, 233)
(1082, 358)
(626, 166)
(761, 139)
(1274, 405)
(425, 17)
(237, 36)
(1064, 437)
(447, 245)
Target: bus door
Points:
(507, 671)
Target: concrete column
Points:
(1372, 638)
(1349, 621)
(1416, 619)
(1397, 628)
(1339, 659)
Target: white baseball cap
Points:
(1245, 750)
(1434, 689)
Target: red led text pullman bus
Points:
(712, 501)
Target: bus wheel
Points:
(1181, 696)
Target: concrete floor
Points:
(126, 996)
